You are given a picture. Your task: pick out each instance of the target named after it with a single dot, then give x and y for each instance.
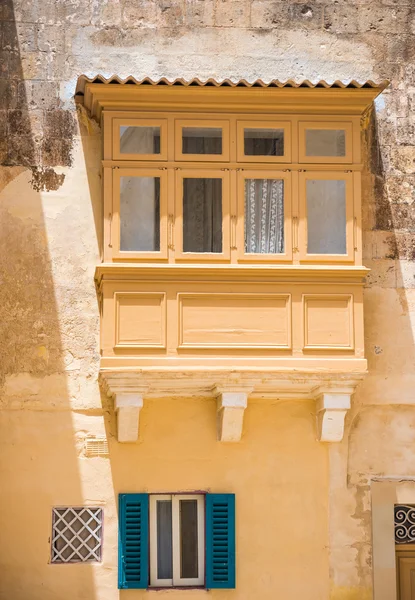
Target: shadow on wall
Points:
(39, 451)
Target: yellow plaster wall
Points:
(278, 473)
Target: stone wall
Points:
(50, 234)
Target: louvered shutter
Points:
(220, 541)
(133, 541)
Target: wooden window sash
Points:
(350, 225)
(195, 173)
(116, 223)
(243, 256)
(347, 126)
(257, 124)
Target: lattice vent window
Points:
(76, 534)
(404, 524)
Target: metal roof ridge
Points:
(211, 81)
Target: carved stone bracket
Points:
(331, 411)
(127, 407)
(231, 405)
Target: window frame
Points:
(115, 234)
(220, 123)
(119, 122)
(243, 256)
(176, 581)
(347, 126)
(200, 173)
(241, 125)
(346, 176)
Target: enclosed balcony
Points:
(232, 246)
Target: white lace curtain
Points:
(264, 216)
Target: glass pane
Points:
(326, 216)
(140, 140)
(264, 216)
(201, 140)
(264, 142)
(325, 142)
(188, 539)
(140, 214)
(202, 214)
(164, 540)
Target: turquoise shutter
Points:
(220, 541)
(133, 541)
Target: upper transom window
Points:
(232, 188)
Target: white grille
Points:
(76, 534)
(96, 446)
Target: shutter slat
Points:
(220, 541)
(133, 541)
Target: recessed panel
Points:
(234, 321)
(328, 322)
(140, 320)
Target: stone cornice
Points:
(331, 391)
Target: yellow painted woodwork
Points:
(169, 309)
(405, 567)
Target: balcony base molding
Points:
(231, 389)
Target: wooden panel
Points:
(328, 321)
(140, 320)
(406, 575)
(261, 321)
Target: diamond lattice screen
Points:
(76, 535)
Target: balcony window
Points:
(231, 189)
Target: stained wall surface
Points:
(304, 519)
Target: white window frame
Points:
(177, 581)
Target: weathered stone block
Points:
(56, 152)
(74, 11)
(400, 188)
(38, 94)
(169, 14)
(382, 273)
(406, 131)
(106, 12)
(34, 65)
(8, 94)
(232, 13)
(50, 38)
(22, 151)
(60, 124)
(199, 13)
(138, 13)
(268, 13)
(354, 19)
(24, 123)
(402, 159)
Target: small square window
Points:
(177, 531)
(76, 534)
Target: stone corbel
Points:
(231, 405)
(332, 407)
(127, 408)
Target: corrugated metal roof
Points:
(211, 82)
